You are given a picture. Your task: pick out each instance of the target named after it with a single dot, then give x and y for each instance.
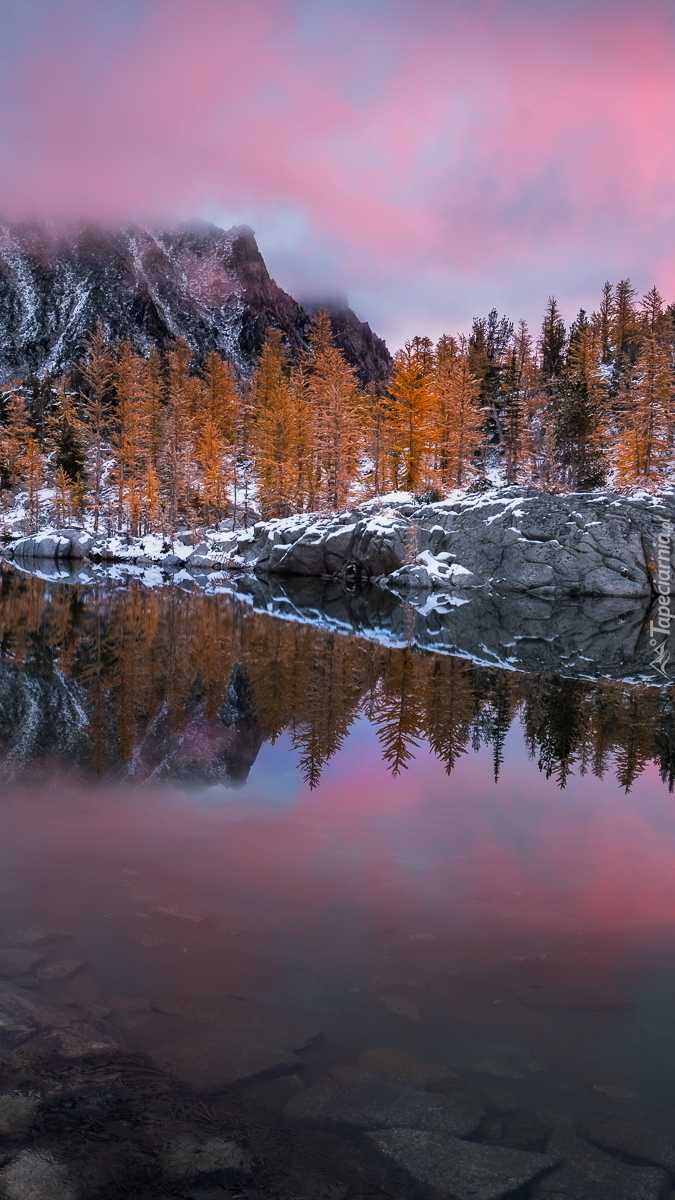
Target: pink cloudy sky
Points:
(431, 158)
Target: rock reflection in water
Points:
(118, 679)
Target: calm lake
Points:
(336, 846)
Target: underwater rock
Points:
(365, 1100)
(462, 1170)
(587, 1171)
(33, 1175)
(188, 1159)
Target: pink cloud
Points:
(432, 157)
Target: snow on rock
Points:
(513, 540)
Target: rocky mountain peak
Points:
(199, 282)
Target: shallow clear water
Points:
(225, 809)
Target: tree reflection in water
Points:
(119, 680)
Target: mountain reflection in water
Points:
(517, 933)
(118, 680)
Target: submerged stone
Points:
(587, 1172)
(212, 1061)
(188, 1159)
(236, 1041)
(461, 1170)
(365, 1100)
(18, 962)
(16, 1112)
(33, 1175)
(31, 935)
(624, 1137)
(573, 998)
(19, 1017)
(401, 1006)
(388, 1060)
(60, 970)
(79, 1039)
(130, 1004)
(86, 994)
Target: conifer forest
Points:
(144, 444)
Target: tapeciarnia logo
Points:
(659, 626)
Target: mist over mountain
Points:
(198, 282)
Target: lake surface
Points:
(372, 846)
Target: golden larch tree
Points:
(211, 457)
(283, 448)
(412, 390)
(15, 435)
(153, 399)
(63, 497)
(644, 447)
(272, 365)
(334, 395)
(457, 418)
(33, 475)
(282, 433)
(376, 422)
(129, 436)
(222, 397)
(215, 421)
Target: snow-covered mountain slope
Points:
(198, 282)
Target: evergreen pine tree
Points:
(603, 322)
(521, 415)
(625, 325)
(579, 411)
(552, 343)
(178, 437)
(489, 348)
(97, 381)
(66, 438)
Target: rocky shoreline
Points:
(589, 638)
(514, 540)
